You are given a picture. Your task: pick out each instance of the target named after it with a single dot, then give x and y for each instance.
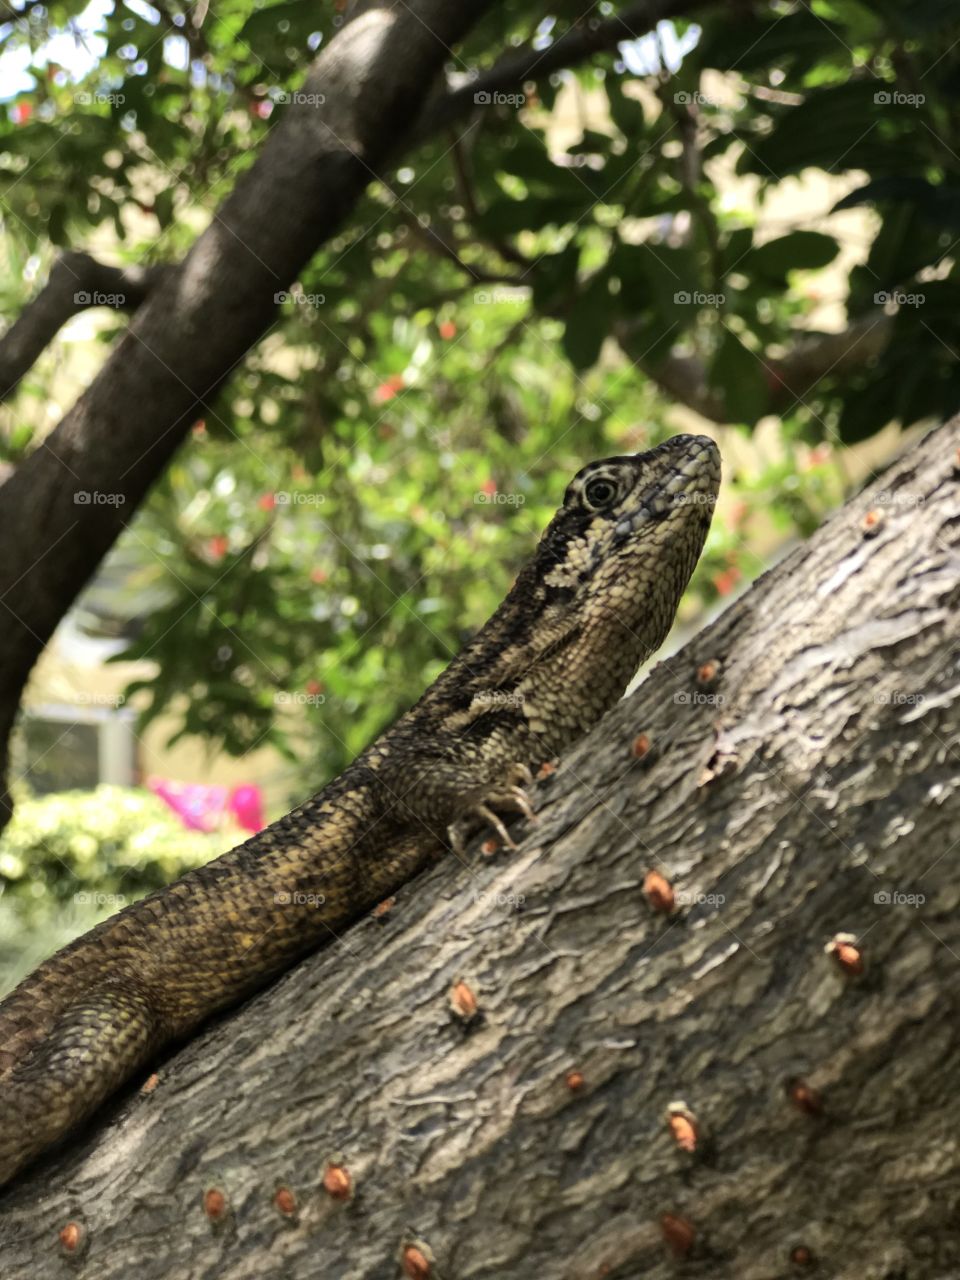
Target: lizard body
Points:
(599, 596)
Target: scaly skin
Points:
(598, 597)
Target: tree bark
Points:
(806, 785)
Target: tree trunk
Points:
(807, 787)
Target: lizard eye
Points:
(600, 492)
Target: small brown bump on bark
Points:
(574, 1081)
(872, 522)
(640, 747)
(803, 1097)
(683, 1126)
(337, 1182)
(678, 1234)
(416, 1262)
(150, 1083)
(383, 909)
(489, 847)
(285, 1202)
(801, 1256)
(547, 768)
(214, 1204)
(846, 952)
(709, 671)
(463, 1002)
(72, 1239)
(658, 892)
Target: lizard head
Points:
(596, 599)
(612, 565)
(629, 533)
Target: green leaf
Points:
(741, 379)
(588, 323)
(754, 43)
(798, 251)
(506, 217)
(843, 125)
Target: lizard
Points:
(598, 596)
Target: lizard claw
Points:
(510, 796)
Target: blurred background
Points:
(743, 225)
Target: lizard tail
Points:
(90, 1050)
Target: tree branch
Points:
(76, 282)
(790, 377)
(574, 46)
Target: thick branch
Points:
(76, 282)
(793, 796)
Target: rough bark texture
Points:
(817, 773)
(205, 314)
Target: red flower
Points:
(267, 501)
(388, 389)
(447, 330)
(217, 547)
(726, 580)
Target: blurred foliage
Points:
(118, 842)
(381, 463)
